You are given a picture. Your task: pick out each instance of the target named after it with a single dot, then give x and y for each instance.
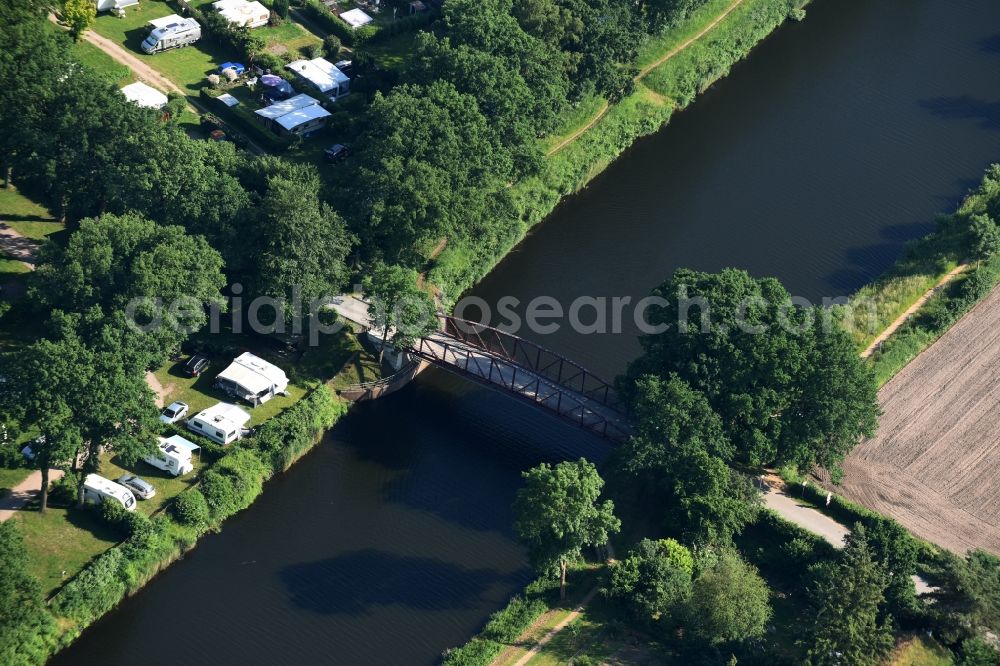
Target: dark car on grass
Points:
(196, 365)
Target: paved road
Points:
(806, 517)
(817, 522)
(23, 493)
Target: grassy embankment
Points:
(923, 264)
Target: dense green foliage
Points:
(558, 514)
(503, 628)
(849, 626)
(729, 600)
(786, 383)
(26, 628)
(191, 508)
(677, 461)
(653, 580)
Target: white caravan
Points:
(97, 490)
(171, 32)
(252, 379)
(173, 455)
(223, 423)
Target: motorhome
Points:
(171, 32)
(173, 455)
(97, 490)
(223, 423)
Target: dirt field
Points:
(935, 463)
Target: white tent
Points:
(113, 5)
(323, 74)
(296, 120)
(241, 12)
(142, 95)
(356, 18)
(252, 378)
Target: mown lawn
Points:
(12, 266)
(99, 61)
(199, 393)
(167, 485)
(921, 651)
(25, 216)
(62, 539)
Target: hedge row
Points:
(503, 628)
(228, 486)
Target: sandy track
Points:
(934, 463)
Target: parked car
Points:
(336, 152)
(139, 487)
(344, 66)
(174, 412)
(196, 365)
(235, 66)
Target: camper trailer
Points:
(97, 489)
(253, 379)
(223, 423)
(171, 32)
(173, 455)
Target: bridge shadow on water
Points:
(353, 583)
(442, 426)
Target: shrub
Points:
(190, 508)
(331, 46)
(312, 50)
(280, 8)
(94, 591)
(64, 491)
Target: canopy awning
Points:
(182, 443)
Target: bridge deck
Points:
(588, 412)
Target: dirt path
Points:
(159, 389)
(16, 246)
(642, 74)
(21, 494)
(141, 69)
(901, 319)
(932, 465)
(544, 640)
(150, 75)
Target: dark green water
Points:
(815, 161)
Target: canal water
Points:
(815, 161)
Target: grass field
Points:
(921, 651)
(62, 539)
(25, 216)
(101, 62)
(12, 266)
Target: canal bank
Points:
(401, 518)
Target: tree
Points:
(301, 243)
(676, 461)
(115, 266)
(429, 163)
(985, 235)
(42, 380)
(331, 46)
(79, 15)
(654, 580)
(787, 384)
(849, 627)
(558, 514)
(27, 629)
(280, 8)
(396, 305)
(729, 600)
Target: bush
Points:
(503, 628)
(280, 7)
(64, 491)
(312, 51)
(190, 508)
(94, 591)
(331, 46)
